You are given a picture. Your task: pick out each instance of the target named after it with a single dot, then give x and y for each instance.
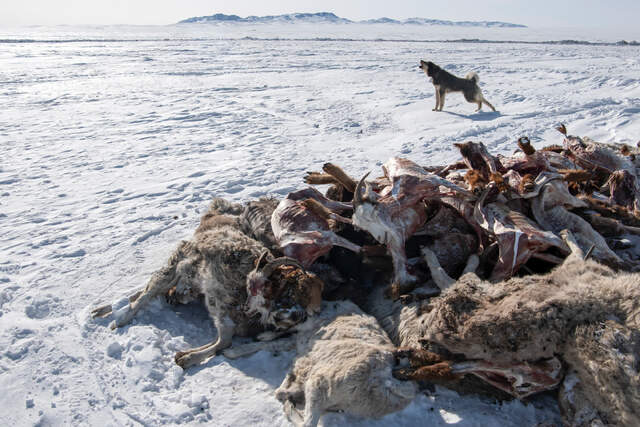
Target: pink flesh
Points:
(399, 209)
(519, 379)
(518, 237)
(303, 234)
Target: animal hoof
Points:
(404, 374)
(183, 359)
(103, 311)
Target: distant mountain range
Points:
(328, 17)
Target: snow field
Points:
(112, 150)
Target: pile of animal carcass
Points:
(502, 275)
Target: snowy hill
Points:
(328, 17)
(321, 17)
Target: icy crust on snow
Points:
(112, 151)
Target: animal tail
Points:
(473, 77)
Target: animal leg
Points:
(159, 284)
(442, 94)
(403, 282)
(570, 240)
(284, 344)
(437, 100)
(313, 405)
(479, 106)
(317, 178)
(442, 279)
(336, 240)
(440, 371)
(105, 310)
(345, 180)
(225, 327)
(319, 209)
(332, 205)
(488, 104)
(292, 413)
(472, 264)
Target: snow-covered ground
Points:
(113, 147)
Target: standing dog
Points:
(445, 82)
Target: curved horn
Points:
(357, 194)
(271, 266)
(263, 257)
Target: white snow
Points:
(113, 147)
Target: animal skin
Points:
(397, 211)
(538, 317)
(620, 171)
(302, 232)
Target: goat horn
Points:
(263, 257)
(562, 128)
(271, 266)
(357, 195)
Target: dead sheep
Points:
(511, 333)
(345, 362)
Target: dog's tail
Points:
(473, 77)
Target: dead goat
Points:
(282, 292)
(214, 263)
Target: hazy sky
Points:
(535, 13)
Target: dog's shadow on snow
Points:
(480, 116)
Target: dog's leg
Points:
(479, 106)
(488, 104)
(437, 99)
(442, 94)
